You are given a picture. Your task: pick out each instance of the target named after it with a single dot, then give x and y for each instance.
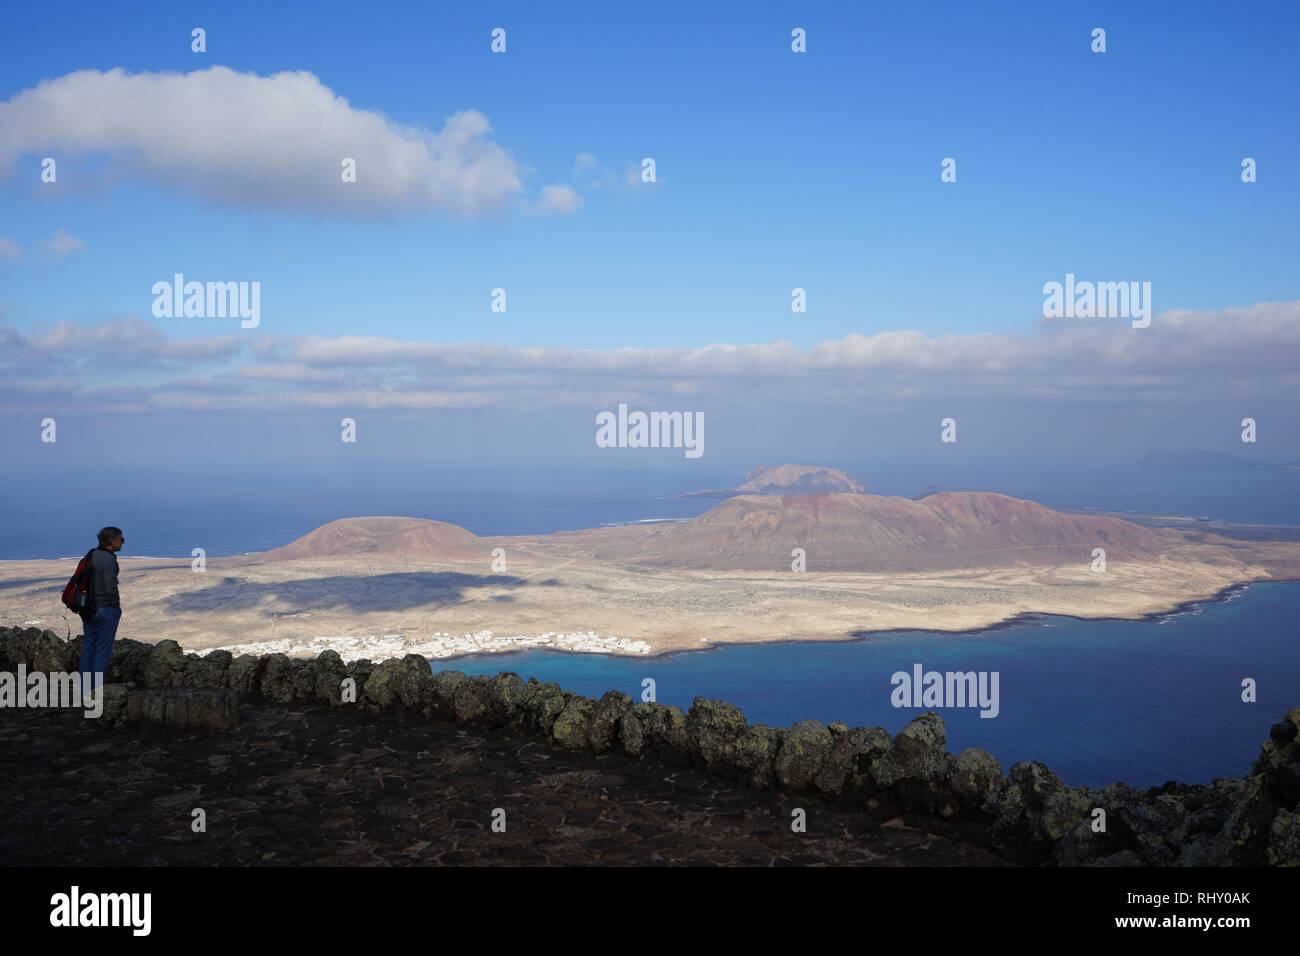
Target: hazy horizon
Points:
(232, 510)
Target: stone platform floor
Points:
(343, 787)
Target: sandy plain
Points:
(384, 605)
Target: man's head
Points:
(110, 539)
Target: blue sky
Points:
(775, 170)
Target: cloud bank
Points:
(1185, 359)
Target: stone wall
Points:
(1028, 814)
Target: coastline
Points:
(1030, 617)
(1020, 619)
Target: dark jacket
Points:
(103, 577)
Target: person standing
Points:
(101, 626)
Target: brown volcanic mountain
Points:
(838, 532)
(788, 480)
(853, 532)
(416, 536)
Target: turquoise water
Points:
(1141, 702)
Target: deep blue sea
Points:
(1141, 702)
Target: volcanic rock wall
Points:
(1028, 814)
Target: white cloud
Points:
(583, 164)
(63, 244)
(588, 173)
(1237, 358)
(127, 339)
(266, 141)
(563, 200)
(295, 372)
(8, 248)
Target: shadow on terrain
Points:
(24, 582)
(379, 592)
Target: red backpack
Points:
(79, 594)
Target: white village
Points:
(381, 647)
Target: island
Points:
(754, 568)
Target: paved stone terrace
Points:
(343, 787)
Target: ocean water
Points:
(168, 515)
(1142, 702)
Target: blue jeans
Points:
(97, 644)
